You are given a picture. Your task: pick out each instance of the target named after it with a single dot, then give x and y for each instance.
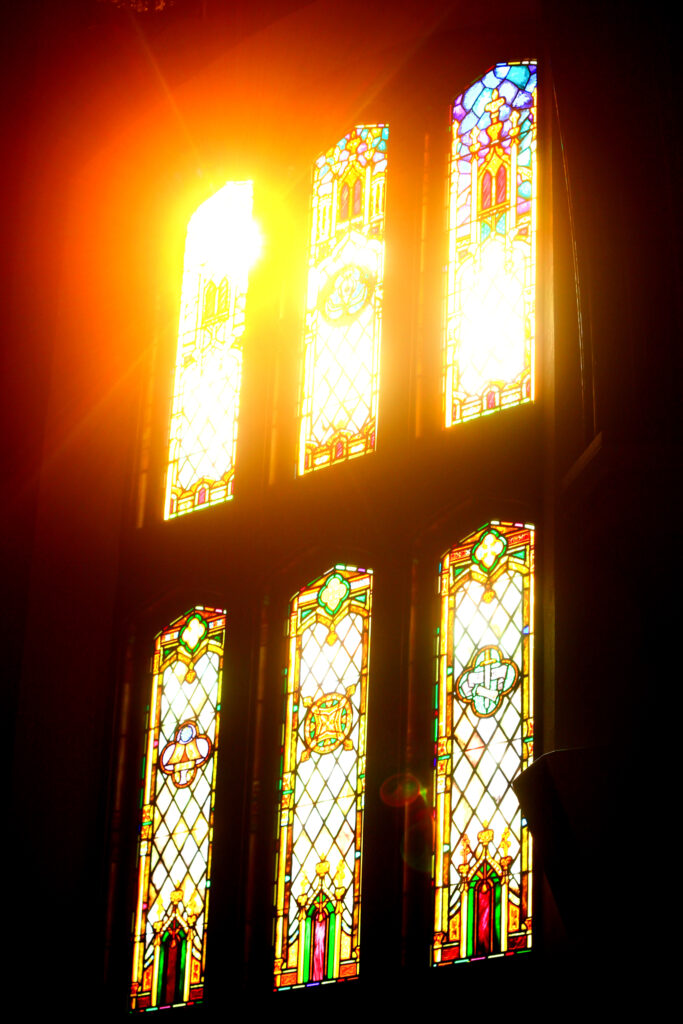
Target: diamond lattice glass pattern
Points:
(484, 739)
(344, 306)
(218, 252)
(492, 245)
(177, 819)
(323, 781)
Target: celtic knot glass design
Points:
(340, 387)
(487, 679)
(484, 738)
(491, 307)
(178, 789)
(328, 722)
(206, 395)
(323, 781)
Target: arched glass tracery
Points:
(203, 436)
(491, 307)
(340, 386)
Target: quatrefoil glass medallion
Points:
(193, 633)
(332, 595)
(489, 550)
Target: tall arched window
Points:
(203, 442)
(484, 738)
(492, 245)
(340, 386)
(177, 799)
(323, 780)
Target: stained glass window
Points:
(323, 781)
(220, 246)
(344, 306)
(484, 738)
(177, 799)
(492, 245)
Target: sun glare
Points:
(222, 236)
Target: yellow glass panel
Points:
(176, 823)
(338, 415)
(318, 886)
(484, 739)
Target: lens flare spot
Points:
(401, 789)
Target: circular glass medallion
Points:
(328, 723)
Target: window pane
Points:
(344, 306)
(219, 249)
(176, 831)
(492, 245)
(323, 780)
(484, 738)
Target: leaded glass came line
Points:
(317, 927)
(340, 386)
(482, 861)
(176, 831)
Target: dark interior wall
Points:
(121, 131)
(615, 493)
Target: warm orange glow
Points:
(222, 244)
